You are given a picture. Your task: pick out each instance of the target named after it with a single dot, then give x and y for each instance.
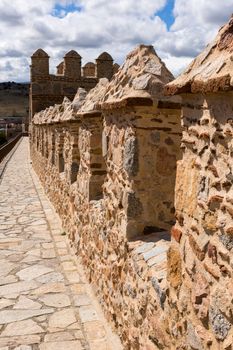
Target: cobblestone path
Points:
(45, 303)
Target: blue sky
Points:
(166, 14)
(178, 29)
(60, 10)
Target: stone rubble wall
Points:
(121, 234)
(143, 147)
(201, 284)
(123, 180)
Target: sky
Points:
(178, 30)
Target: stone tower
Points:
(104, 66)
(72, 65)
(40, 64)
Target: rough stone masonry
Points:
(140, 171)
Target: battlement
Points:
(112, 154)
(140, 171)
(48, 89)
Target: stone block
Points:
(158, 259)
(144, 247)
(200, 295)
(212, 269)
(227, 241)
(131, 156)
(157, 250)
(88, 314)
(223, 299)
(212, 252)
(187, 182)
(161, 292)
(219, 323)
(203, 190)
(134, 206)
(209, 222)
(174, 267)
(196, 249)
(193, 340)
(202, 241)
(61, 345)
(176, 233)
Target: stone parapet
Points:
(126, 167)
(201, 302)
(211, 71)
(110, 173)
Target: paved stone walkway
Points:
(45, 303)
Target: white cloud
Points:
(122, 7)
(100, 25)
(196, 24)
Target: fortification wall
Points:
(104, 170)
(99, 210)
(201, 299)
(116, 167)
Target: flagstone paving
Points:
(45, 303)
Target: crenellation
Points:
(39, 65)
(109, 203)
(48, 89)
(202, 188)
(104, 66)
(72, 65)
(145, 195)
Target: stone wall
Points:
(115, 166)
(201, 295)
(141, 161)
(125, 259)
(110, 171)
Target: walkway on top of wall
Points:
(45, 303)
